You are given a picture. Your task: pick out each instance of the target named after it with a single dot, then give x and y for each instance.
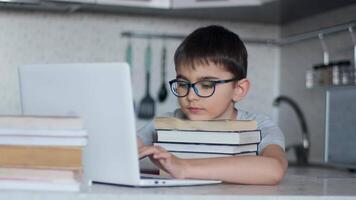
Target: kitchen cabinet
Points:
(73, 1)
(174, 4)
(216, 3)
(164, 4)
(251, 11)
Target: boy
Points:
(211, 68)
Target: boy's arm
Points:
(139, 142)
(268, 168)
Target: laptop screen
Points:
(101, 94)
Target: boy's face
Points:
(218, 106)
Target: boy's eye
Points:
(182, 84)
(206, 84)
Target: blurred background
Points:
(291, 44)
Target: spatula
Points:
(147, 104)
(163, 93)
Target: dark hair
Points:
(213, 44)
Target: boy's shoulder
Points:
(262, 120)
(246, 115)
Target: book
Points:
(171, 123)
(209, 137)
(207, 148)
(48, 157)
(40, 122)
(43, 141)
(36, 174)
(43, 132)
(187, 155)
(39, 179)
(34, 185)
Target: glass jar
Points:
(309, 78)
(346, 72)
(336, 74)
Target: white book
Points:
(43, 132)
(36, 174)
(40, 122)
(187, 155)
(7, 184)
(43, 141)
(209, 137)
(208, 148)
(38, 179)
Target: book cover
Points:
(209, 137)
(40, 122)
(207, 148)
(171, 123)
(41, 157)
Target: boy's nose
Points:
(192, 94)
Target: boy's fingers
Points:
(148, 150)
(162, 155)
(145, 151)
(161, 149)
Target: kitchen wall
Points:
(32, 37)
(298, 57)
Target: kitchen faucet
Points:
(301, 150)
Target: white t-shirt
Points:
(270, 132)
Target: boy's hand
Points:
(139, 142)
(164, 160)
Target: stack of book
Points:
(206, 139)
(41, 153)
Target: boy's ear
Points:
(241, 88)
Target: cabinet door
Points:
(72, 1)
(137, 3)
(216, 3)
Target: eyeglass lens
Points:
(201, 88)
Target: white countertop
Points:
(299, 182)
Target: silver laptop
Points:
(101, 94)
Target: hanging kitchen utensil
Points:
(147, 104)
(163, 93)
(129, 59)
(129, 54)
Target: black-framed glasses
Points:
(204, 88)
